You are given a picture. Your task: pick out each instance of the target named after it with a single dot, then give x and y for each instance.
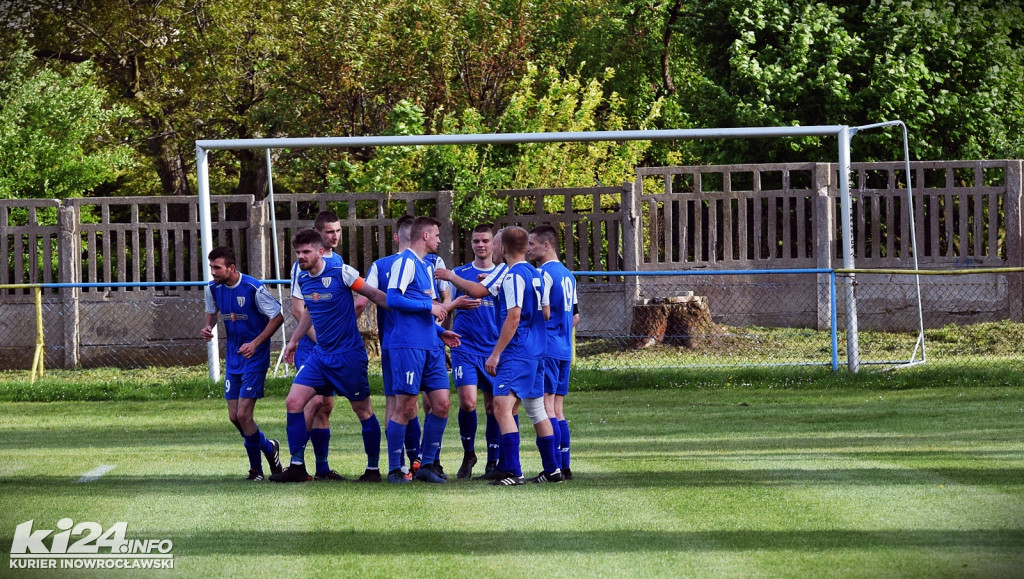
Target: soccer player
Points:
(470, 287)
(417, 358)
(378, 277)
(479, 330)
(338, 362)
(318, 410)
(442, 295)
(516, 360)
(251, 316)
(542, 248)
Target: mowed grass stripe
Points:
(922, 482)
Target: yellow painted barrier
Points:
(38, 366)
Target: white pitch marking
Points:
(96, 473)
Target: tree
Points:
(953, 72)
(55, 130)
(543, 101)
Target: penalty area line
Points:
(96, 473)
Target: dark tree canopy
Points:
(182, 70)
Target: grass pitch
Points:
(725, 481)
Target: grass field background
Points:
(917, 473)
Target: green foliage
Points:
(543, 102)
(951, 72)
(55, 130)
(232, 69)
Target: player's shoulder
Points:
(525, 268)
(247, 279)
(334, 259)
(554, 266)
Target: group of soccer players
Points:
(511, 337)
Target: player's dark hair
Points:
(323, 218)
(484, 228)
(421, 224)
(223, 252)
(545, 234)
(308, 237)
(513, 239)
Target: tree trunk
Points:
(252, 176)
(170, 165)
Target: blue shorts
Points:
(556, 376)
(519, 376)
(385, 372)
(468, 369)
(330, 374)
(413, 370)
(304, 349)
(247, 385)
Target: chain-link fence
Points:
(662, 320)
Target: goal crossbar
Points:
(844, 133)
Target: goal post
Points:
(843, 132)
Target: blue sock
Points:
(371, 441)
(321, 439)
(265, 445)
(493, 436)
(412, 439)
(252, 449)
(510, 454)
(565, 442)
(433, 431)
(396, 435)
(297, 437)
(467, 429)
(556, 432)
(546, 446)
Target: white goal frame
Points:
(844, 133)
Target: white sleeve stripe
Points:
(371, 276)
(548, 284)
(266, 302)
(296, 292)
(211, 304)
(349, 275)
(402, 274)
(515, 290)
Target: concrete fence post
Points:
(257, 230)
(631, 246)
(69, 254)
(1014, 231)
(444, 214)
(824, 240)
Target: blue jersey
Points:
(523, 287)
(434, 262)
(478, 327)
(410, 297)
(328, 298)
(562, 298)
(246, 308)
(377, 277)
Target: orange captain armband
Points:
(356, 285)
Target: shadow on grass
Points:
(356, 541)
(214, 485)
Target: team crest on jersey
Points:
(326, 281)
(241, 301)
